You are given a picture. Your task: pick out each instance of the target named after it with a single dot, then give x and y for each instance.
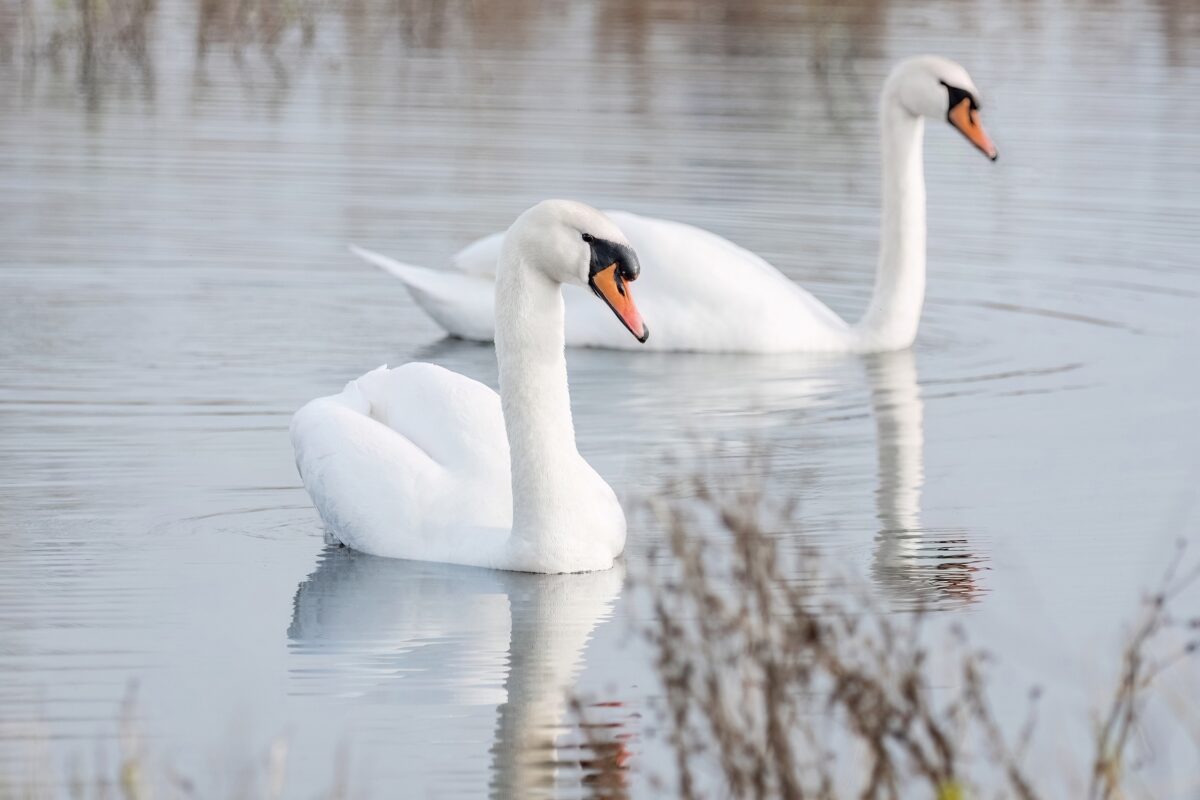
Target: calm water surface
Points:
(174, 283)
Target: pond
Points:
(178, 187)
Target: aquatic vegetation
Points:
(778, 686)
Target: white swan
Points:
(705, 293)
(422, 463)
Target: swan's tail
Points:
(464, 305)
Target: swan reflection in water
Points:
(912, 564)
(482, 637)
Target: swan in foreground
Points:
(705, 293)
(422, 463)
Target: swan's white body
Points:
(705, 293)
(422, 463)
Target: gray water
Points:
(175, 205)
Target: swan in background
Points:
(453, 637)
(707, 294)
(422, 463)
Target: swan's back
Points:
(700, 291)
(407, 462)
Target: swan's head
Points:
(574, 243)
(931, 86)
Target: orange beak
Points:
(966, 119)
(614, 289)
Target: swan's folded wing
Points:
(355, 469)
(695, 255)
(404, 452)
(454, 421)
(480, 256)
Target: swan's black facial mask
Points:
(963, 114)
(611, 269)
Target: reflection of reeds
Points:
(777, 686)
(92, 37)
(261, 23)
(106, 27)
(93, 29)
(604, 755)
(100, 38)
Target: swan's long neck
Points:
(530, 349)
(891, 320)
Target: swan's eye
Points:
(587, 237)
(957, 95)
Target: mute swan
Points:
(707, 294)
(422, 463)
